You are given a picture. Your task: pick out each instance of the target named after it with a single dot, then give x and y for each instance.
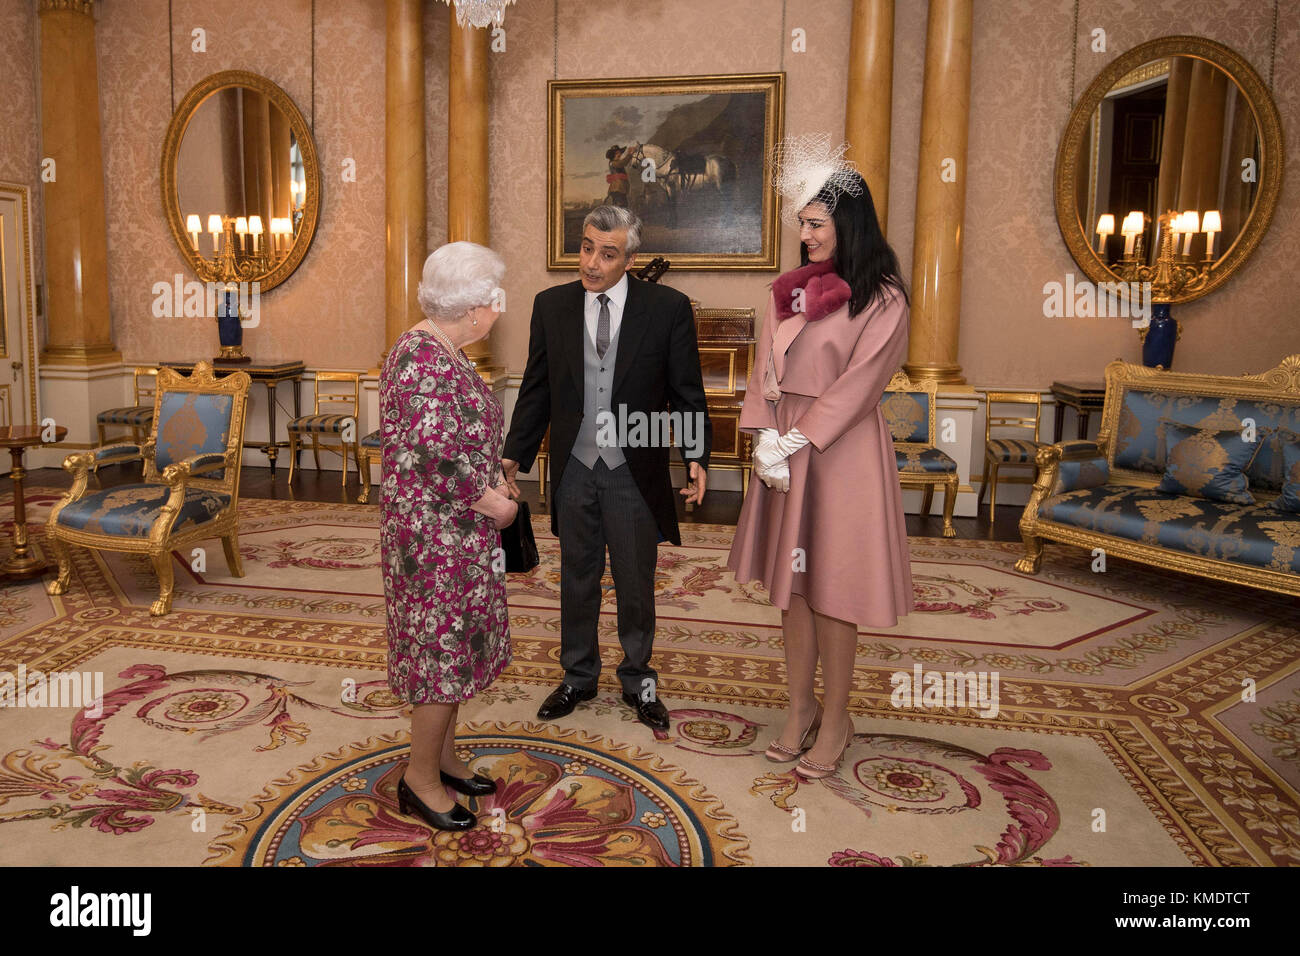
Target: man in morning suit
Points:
(605, 349)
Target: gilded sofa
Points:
(190, 489)
(1105, 494)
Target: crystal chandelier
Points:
(479, 13)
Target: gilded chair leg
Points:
(60, 583)
(993, 494)
(949, 499)
(230, 544)
(1033, 559)
(541, 484)
(927, 500)
(293, 455)
(315, 450)
(162, 565)
(984, 486)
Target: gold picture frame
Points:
(708, 204)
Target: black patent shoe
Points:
(457, 818)
(475, 786)
(562, 701)
(652, 713)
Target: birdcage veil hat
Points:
(802, 166)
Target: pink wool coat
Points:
(844, 509)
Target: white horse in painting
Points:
(653, 179)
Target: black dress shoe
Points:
(562, 701)
(457, 818)
(652, 713)
(475, 786)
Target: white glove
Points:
(769, 453)
(771, 462)
(777, 478)
(765, 436)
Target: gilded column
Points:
(76, 231)
(467, 148)
(871, 97)
(941, 195)
(404, 167)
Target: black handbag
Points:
(518, 543)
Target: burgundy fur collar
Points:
(823, 291)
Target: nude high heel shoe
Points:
(811, 770)
(777, 753)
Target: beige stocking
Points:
(430, 725)
(837, 644)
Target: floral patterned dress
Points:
(441, 429)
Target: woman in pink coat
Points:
(824, 528)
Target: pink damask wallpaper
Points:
(330, 311)
(20, 133)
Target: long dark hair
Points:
(862, 257)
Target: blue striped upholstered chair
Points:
(137, 417)
(190, 489)
(909, 409)
(1002, 452)
(372, 453)
(333, 431)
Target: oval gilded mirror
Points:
(241, 182)
(1170, 168)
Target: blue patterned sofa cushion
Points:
(128, 511)
(924, 460)
(372, 440)
(1138, 438)
(191, 423)
(1206, 463)
(1289, 499)
(908, 416)
(1256, 535)
(1075, 473)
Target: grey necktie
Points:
(602, 326)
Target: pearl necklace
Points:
(442, 337)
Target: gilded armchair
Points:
(190, 490)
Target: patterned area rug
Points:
(253, 726)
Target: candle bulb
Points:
(255, 230)
(192, 226)
(1213, 225)
(1105, 229)
(1191, 226)
(214, 227)
(241, 230)
(1132, 226)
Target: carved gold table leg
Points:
(23, 564)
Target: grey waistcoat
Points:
(597, 397)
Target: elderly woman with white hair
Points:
(443, 504)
